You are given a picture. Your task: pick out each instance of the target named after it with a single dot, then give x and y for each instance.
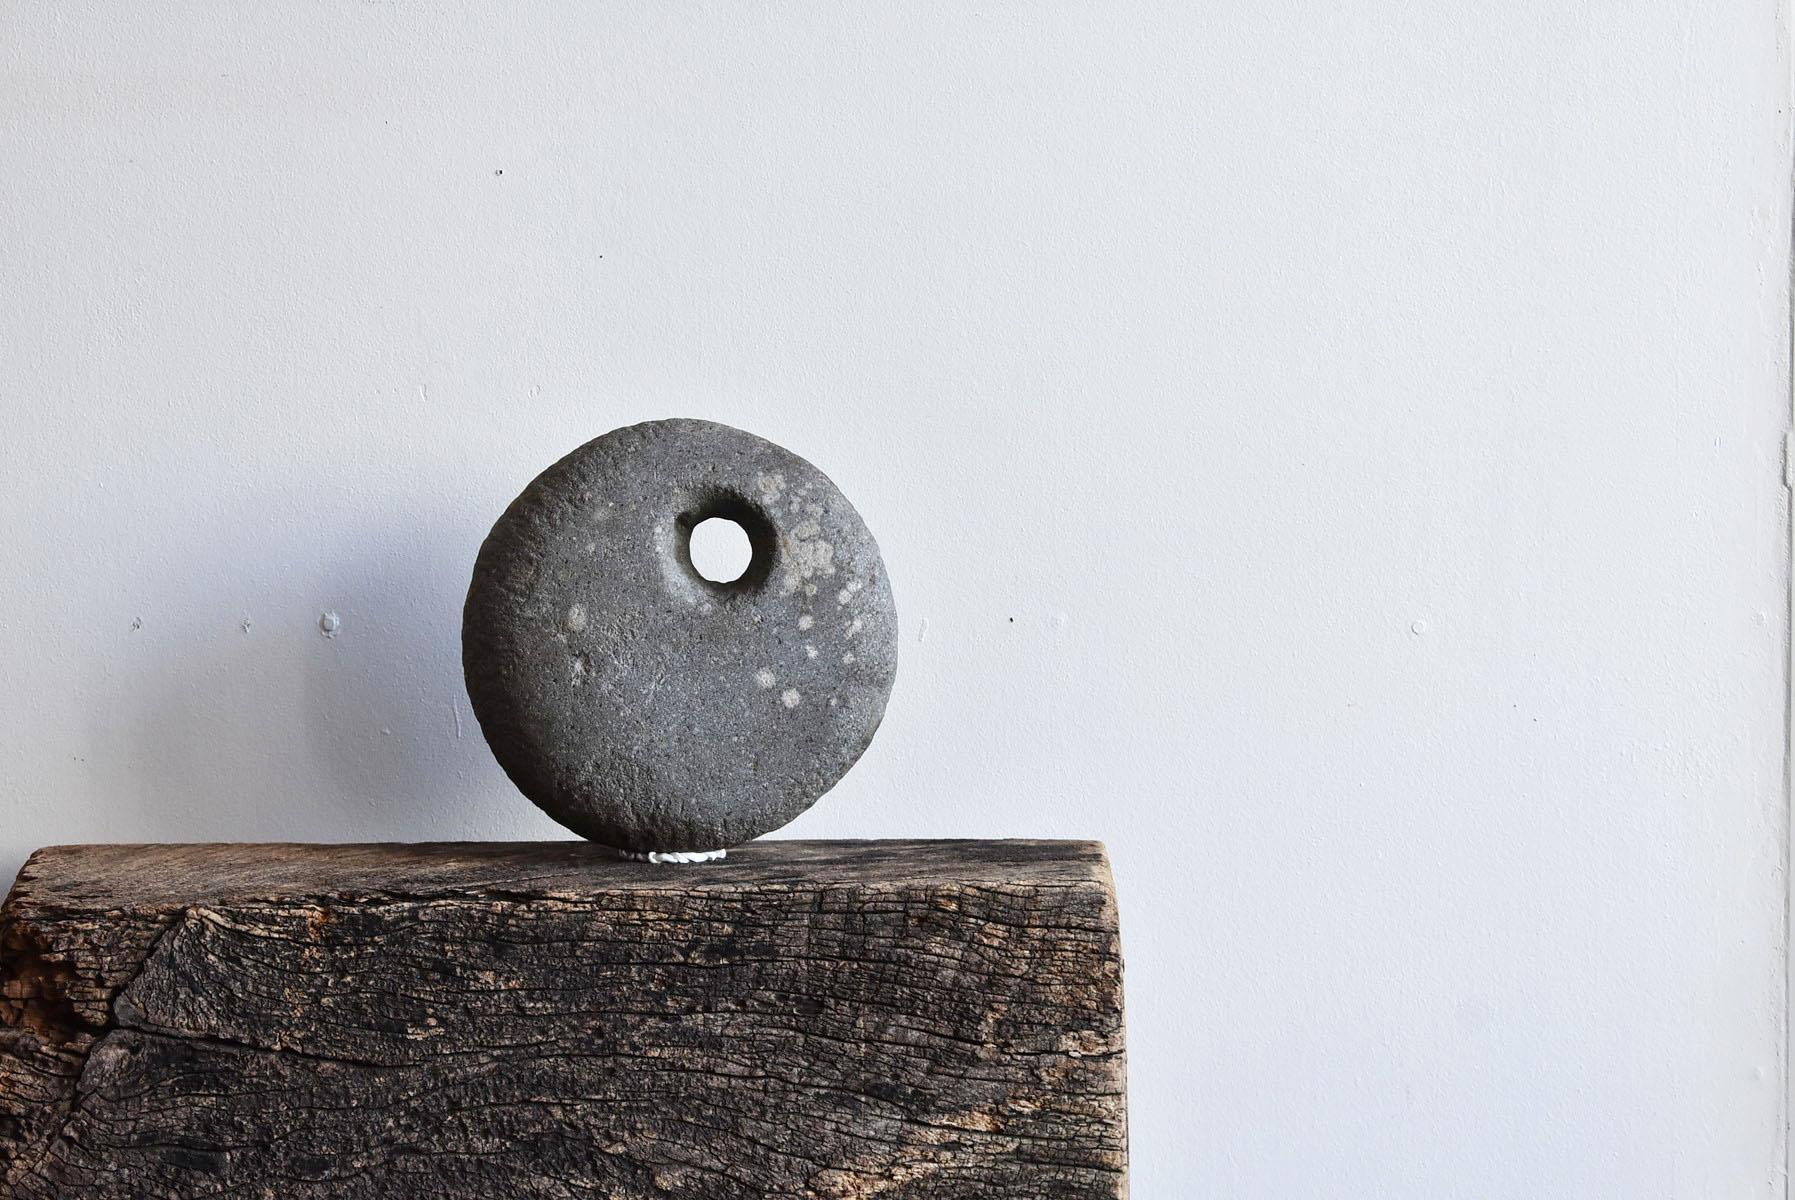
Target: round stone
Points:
(645, 706)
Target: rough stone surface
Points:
(902, 1020)
(644, 706)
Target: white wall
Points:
(1334, 451)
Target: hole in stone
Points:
(726, 542)
(721, 551)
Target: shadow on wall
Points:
(268, 726)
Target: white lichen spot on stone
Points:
(806, 621)
(843, 596)
(577, 669)
(790, 698)
(809, 651)
(576, 617)
(806, 557)
(765, 677)
(847, 658)
(770, 487)
(832, 702)
(591, 547)
(854, 627)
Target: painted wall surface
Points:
(1329, 452)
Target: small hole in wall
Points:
(720, 549)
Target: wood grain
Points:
(807, 1019)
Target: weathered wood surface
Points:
(825, 1019)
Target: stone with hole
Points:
(644, 705)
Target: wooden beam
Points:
(806, 1019)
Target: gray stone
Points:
(644, 706)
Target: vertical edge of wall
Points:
(1786, 1156)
